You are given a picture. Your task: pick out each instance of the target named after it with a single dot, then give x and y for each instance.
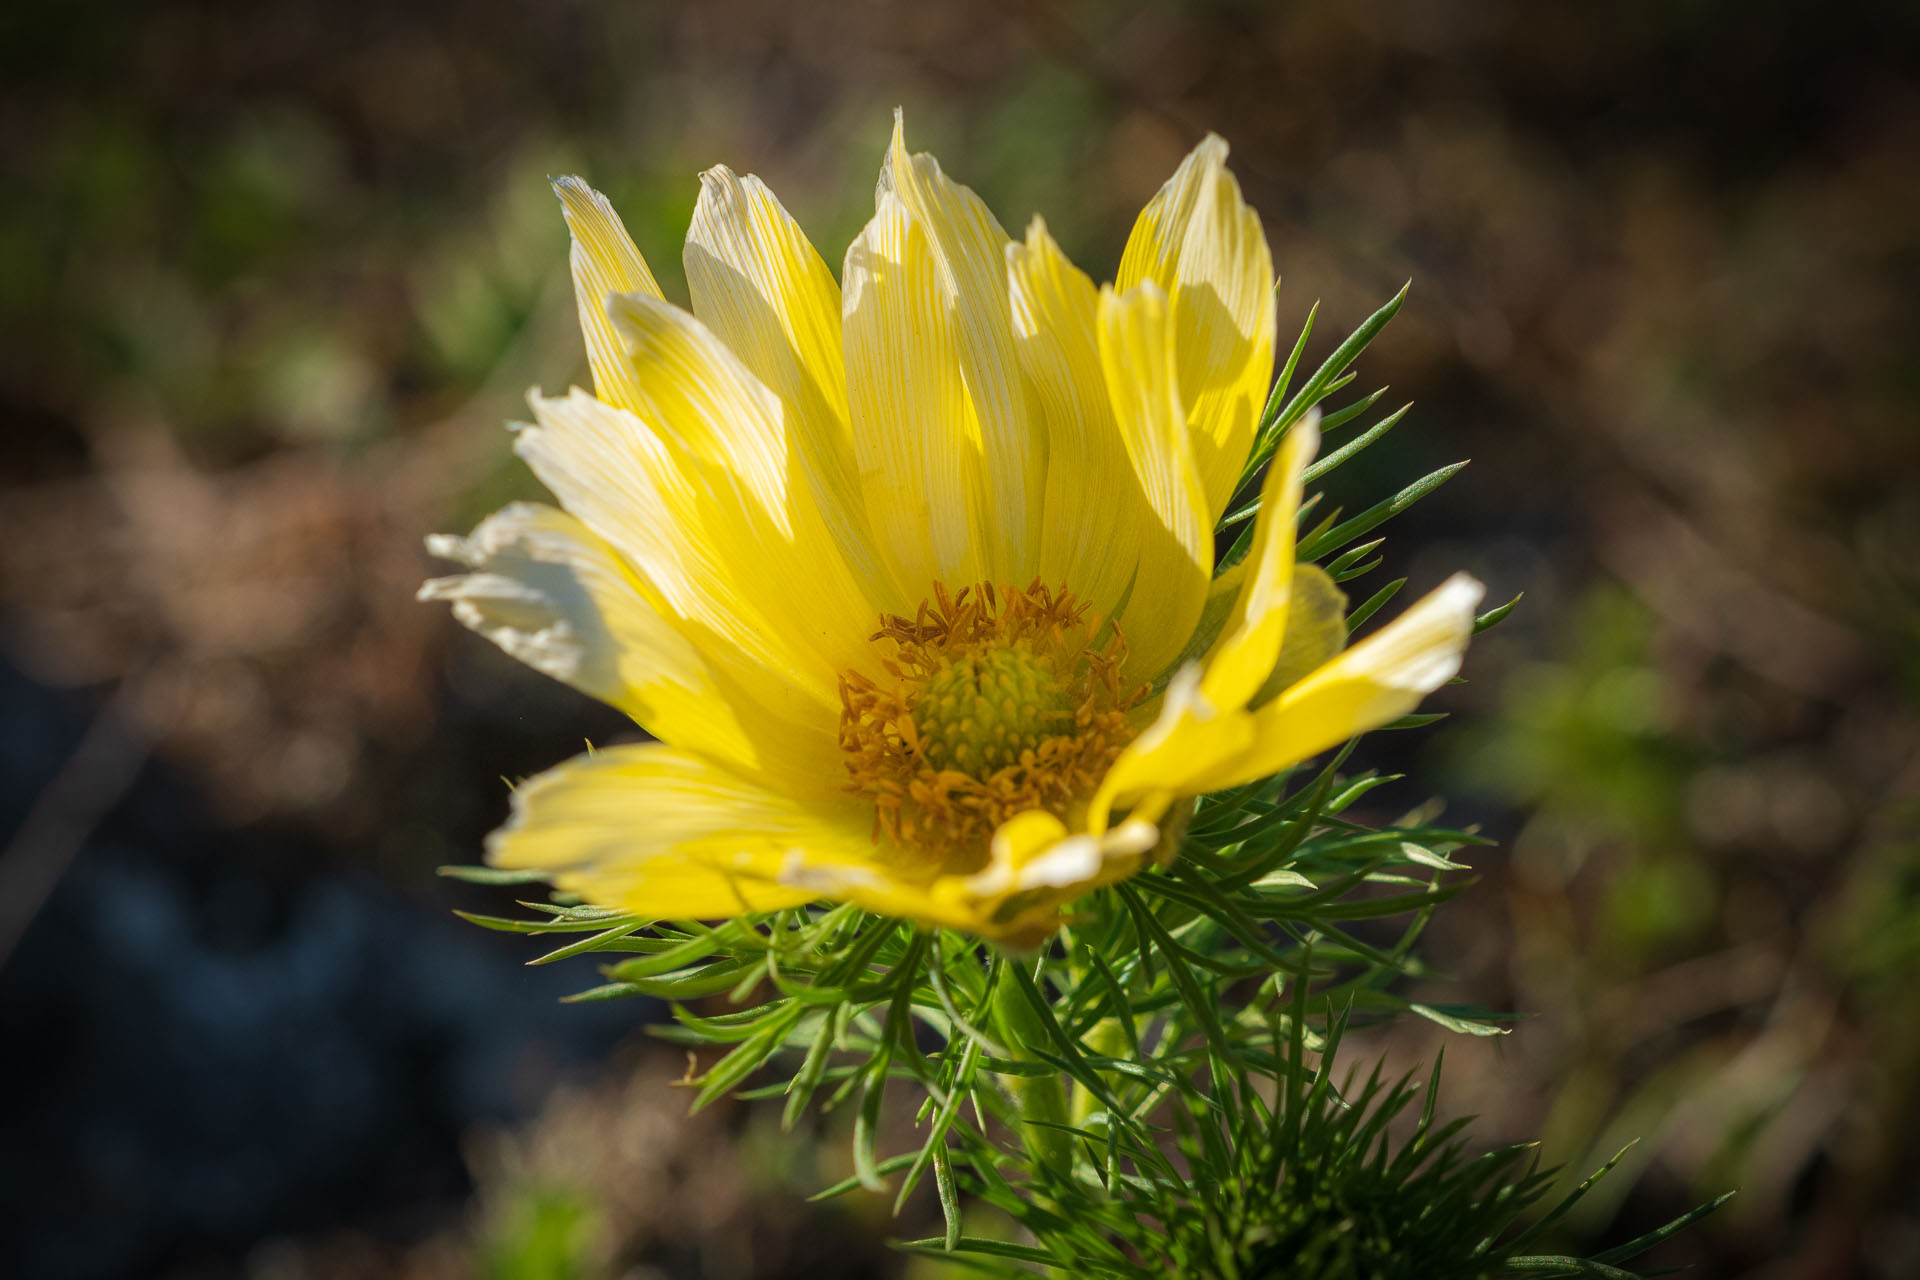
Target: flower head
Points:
(912, 575)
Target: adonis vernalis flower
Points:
(912, 575)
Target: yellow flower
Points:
(912, 575)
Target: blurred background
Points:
(273, 275)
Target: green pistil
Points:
(981, 710)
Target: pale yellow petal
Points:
(760, 482)
(1176, 553)
(550, 592)
(758, 284)
(916, 437)
(1036, 867)
(666, 834)
(1034, 855)
(1249, 645)
(1374, 683)
(1201, 243)
(968, 250)
(1189, 742)
(696, 538)
(1316, 631)
(1095, 516)
(1201, 723)
(605, 262)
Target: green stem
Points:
(1108, 1040)
(1038, 1098)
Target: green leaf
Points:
(1452, 1022)
(1274, 422)
(1371, 605)
(1494, 617)
(746, 1057)
(490, 875)
(1346, 452)
(1379, 513)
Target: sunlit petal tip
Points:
(1440, 626)
(1306, 433)
(1204, 244)
(1075, 860)
(602, 237)
(1133, 837)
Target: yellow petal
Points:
(1176, 556)
(1095, 516)
(1036, 867)
(1200, 242)
(1249, 645)
(1033, 854)
(968, 250)
(1189, 741)
(557, 597)
(712, 558)
(1316, 631)
(605, 262)
(760, 483)
(1201, 725)
(1374, 683)
(758, 284)
(916, 437)
(660, 832)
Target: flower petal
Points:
(1033, 854)
(916, 436)
(550, 592)
(758, 284)
(605, 262)
(751, 586)
(1316, 631)
(968, 251)
(1200, 242)
(1189, 741)
(1374, 683)
(1036, 867)
(1176, 557)
(1200, 725)
(1194, 746)
(743, 443)
(1094, 517)
(660, 832)
(1249, 644)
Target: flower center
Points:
(999, 702)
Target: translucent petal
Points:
(758, 284)
(605, 263)
(1176, 552)
(550, 592)
(1374, 683)
(1201, 243)
(658, 831)
(1095, 516)
(967, 248)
